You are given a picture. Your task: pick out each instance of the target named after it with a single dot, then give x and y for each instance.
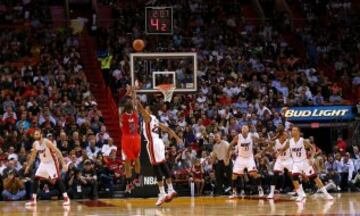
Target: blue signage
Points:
(320, 113)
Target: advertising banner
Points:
(320, 113)
(148, 187)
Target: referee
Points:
(222, 166)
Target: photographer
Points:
(89, 180)
(74, 183)
(13, 187)
(48, 191)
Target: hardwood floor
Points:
(343, 204)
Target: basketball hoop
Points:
(167, 90)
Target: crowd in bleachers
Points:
(52, 94)
(330, 35)
(245, 73)
(20, 11)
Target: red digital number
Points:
(163, 27)
(155, 23)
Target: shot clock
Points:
(159, 20)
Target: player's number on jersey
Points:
(132, 127)
(298, 154)
(246, 148)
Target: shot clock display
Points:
(159, 20)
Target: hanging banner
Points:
(320, 113)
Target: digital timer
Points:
(159, 20)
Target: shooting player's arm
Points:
(170, 132)
(143, 112)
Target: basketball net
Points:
(167, 90)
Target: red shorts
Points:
(130, 147)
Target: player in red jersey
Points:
(130, 144)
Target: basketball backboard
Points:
(149, 70)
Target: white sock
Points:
(170, 187)
(301, 189)
(272, 189)
(323, 189)
(65, 195)
(330, 186)
(162, 189)
(260, 188)
(34, 196)
(299, 192)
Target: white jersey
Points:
(155, 146)
(151, 129)
(278, 146)
(245, 146)
(298, 151)
(45, 154)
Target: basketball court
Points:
(343, 204)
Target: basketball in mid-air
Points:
(138, 45)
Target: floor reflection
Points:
(344, 204)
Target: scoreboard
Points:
(159, 20)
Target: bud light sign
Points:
(323, 113)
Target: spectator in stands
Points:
(23, 123)
(12, 155)
(92, 150)
(333, 170)
(89, 180)
(115, 167)
(74, 182)
(108, 148)
(197, 177)
(63, 143)
(347, 172)
(9, 117)
(356, 158)
(103, 136)
(13, 186)
(105, 180)
(341, 144)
